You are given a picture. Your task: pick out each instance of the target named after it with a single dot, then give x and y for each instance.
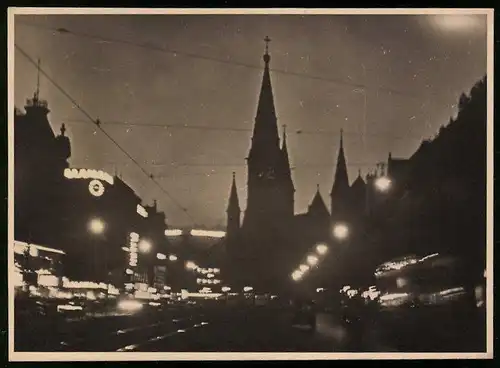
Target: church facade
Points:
(264, 247)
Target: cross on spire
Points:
(267, 40)
(37, 92)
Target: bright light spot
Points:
(173, 232)
(216, 270)
(226, 289)
(130, 305)
(204, 323)
(96, 226)
(340, 231)
(319, 290)
(128, 271)
(321, 249)
(68, 307)
(161, 256)
(456, 22)
(297, 275)
(33, 251)
(142, 211)
(190, 265)
(312, 260)
(383, 184)
(172, 257)
(144, 246)
(208, 233)
(303, 268)
(247, 289)
(166, 287)
(126, 249)
(210, 275)
(154, 304)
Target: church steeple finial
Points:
(341, 138)
(267, 57)
(317, 187)
(36, 97)
(63, 129)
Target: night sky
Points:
(414, 69)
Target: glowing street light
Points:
(303, 268)
(96, 226)
(321, 249)
(340, 231)
(161, 256)
(312, 260)
(383, 184)
(225, 289)
(172, 257)
(144, 246)
(190, 265)
(297, 275)
(246, 289)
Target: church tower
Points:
(339, 195)
(270, 188)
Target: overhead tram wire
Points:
(97, 123)
(153, 47)
(245, 130)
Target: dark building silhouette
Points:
(40, 156)
(270, 188)
(437, 200)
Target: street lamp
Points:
(190, 265)
(161, 256)
(225, 289)
(172, 257)
(340, 231)
(383, 184)
(144, 246)
(297, 275)
(96, 226)
(312, 260)
(321, 249)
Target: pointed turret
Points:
(340, 187)
(233, 211)
(318, 208)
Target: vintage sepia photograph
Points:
(265, 181)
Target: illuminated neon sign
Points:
(133, 249)
(88, 174)
(96, 188)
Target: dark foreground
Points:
(242, 329)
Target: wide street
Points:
(187, 329)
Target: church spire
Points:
(233, 197)
(233, 211)
(265, 120)
(341, 180)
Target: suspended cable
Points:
(153, 47)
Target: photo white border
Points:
(131, 356)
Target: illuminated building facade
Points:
(88, 214)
